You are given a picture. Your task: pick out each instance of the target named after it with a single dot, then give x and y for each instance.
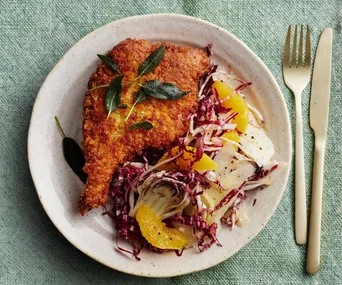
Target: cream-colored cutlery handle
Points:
(301, 223)
(314, 244)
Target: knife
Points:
(319, 111)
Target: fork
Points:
(297, 76)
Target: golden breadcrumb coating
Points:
(109, 143)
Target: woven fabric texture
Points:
(36, 34)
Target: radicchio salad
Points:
(182, 197)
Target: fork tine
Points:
(307, 48)
(300, 55)
(294, 49)
(286, 56)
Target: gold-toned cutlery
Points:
(319, 111)
(297, 76)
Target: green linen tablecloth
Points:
(36, 34)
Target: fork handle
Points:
(300, 193)
(314, 244)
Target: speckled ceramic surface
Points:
(62, 94)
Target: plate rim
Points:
(174, 16)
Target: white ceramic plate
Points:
(62, 94)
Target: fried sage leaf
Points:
(113, 95)
(152, 61)
(142, 125)
(163, 90)
(139, 97)
(73, 154)
(110, 63)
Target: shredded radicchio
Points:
(209, 49)
(204, 233)
(127, 228)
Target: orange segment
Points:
(235, 102)
(222, 89)
(238, 105)
(232, 135)
(155, 231)
(204, 164)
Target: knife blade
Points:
(320, 87)
(319, 111)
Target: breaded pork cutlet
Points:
(109, 143)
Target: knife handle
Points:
(301, 225)
(314, 244)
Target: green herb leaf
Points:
(163, 90)
(60, 127)
(73, 154)
(110, 63)
(113, 95)
(139, 97)
(152, 61)
(123, 106)
(142, 125)
(97, 87)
